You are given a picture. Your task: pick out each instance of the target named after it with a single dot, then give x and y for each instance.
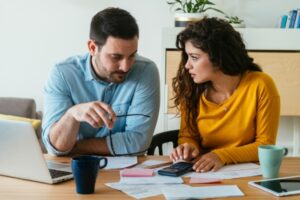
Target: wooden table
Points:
(12, 189)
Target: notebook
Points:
(21, 155)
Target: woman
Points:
(228, 106)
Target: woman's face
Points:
(198, 64)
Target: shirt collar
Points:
(90, 73)
(88, 69)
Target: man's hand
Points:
(63, 134)
(95, 113)
(184, 152)
(208, 162)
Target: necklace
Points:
(218, 97)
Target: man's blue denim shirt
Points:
(72, 82)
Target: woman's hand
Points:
(208, 162)
(184, 152)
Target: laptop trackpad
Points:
(59, 166)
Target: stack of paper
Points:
(142, 187)
(138, 185)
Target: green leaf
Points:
(171, 3)
(189, 6)
(209, 3)
(192, 6)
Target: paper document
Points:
(120, 162)
(230, 172)
(142, 191)
(151, 180)
(201, 192)
(237, 167)
(150, 163)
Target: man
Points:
(105, 102)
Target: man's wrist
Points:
(70, 116)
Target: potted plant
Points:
(235, 21)
(190, 10)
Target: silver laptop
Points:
(21, 155)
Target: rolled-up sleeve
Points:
(57, 100)
(139, 129)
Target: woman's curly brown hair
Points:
(226, 51)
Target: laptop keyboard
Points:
(56, 173)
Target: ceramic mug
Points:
(85, 171)
(270, 157)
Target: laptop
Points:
(21, 155)
(283, 186)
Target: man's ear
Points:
(92, 47)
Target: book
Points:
(297, 22)
(283, 20)
(293, 15)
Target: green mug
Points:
(270, 157)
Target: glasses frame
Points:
(126, 154)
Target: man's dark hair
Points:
(113, 22)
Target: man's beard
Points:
(118, 76)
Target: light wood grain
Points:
(283, 67)
(172, 64)
(16, 189)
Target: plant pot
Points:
(183, 19)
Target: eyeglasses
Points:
(126, 154)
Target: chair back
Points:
(161, 138)
(22, 107)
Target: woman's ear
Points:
(92, 47)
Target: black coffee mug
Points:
(85, 171)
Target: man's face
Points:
(114, 59)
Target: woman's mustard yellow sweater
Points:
(234, 129)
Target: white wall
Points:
(35, 34)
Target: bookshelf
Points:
(277, 51)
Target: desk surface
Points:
(12, 189)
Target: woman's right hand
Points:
(184, 152)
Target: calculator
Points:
(176, 169)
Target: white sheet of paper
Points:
(120, 162)
(201, 192)
(237, 167)
(230, 172)
(141, 191)
(149, 163)
(151, 180)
